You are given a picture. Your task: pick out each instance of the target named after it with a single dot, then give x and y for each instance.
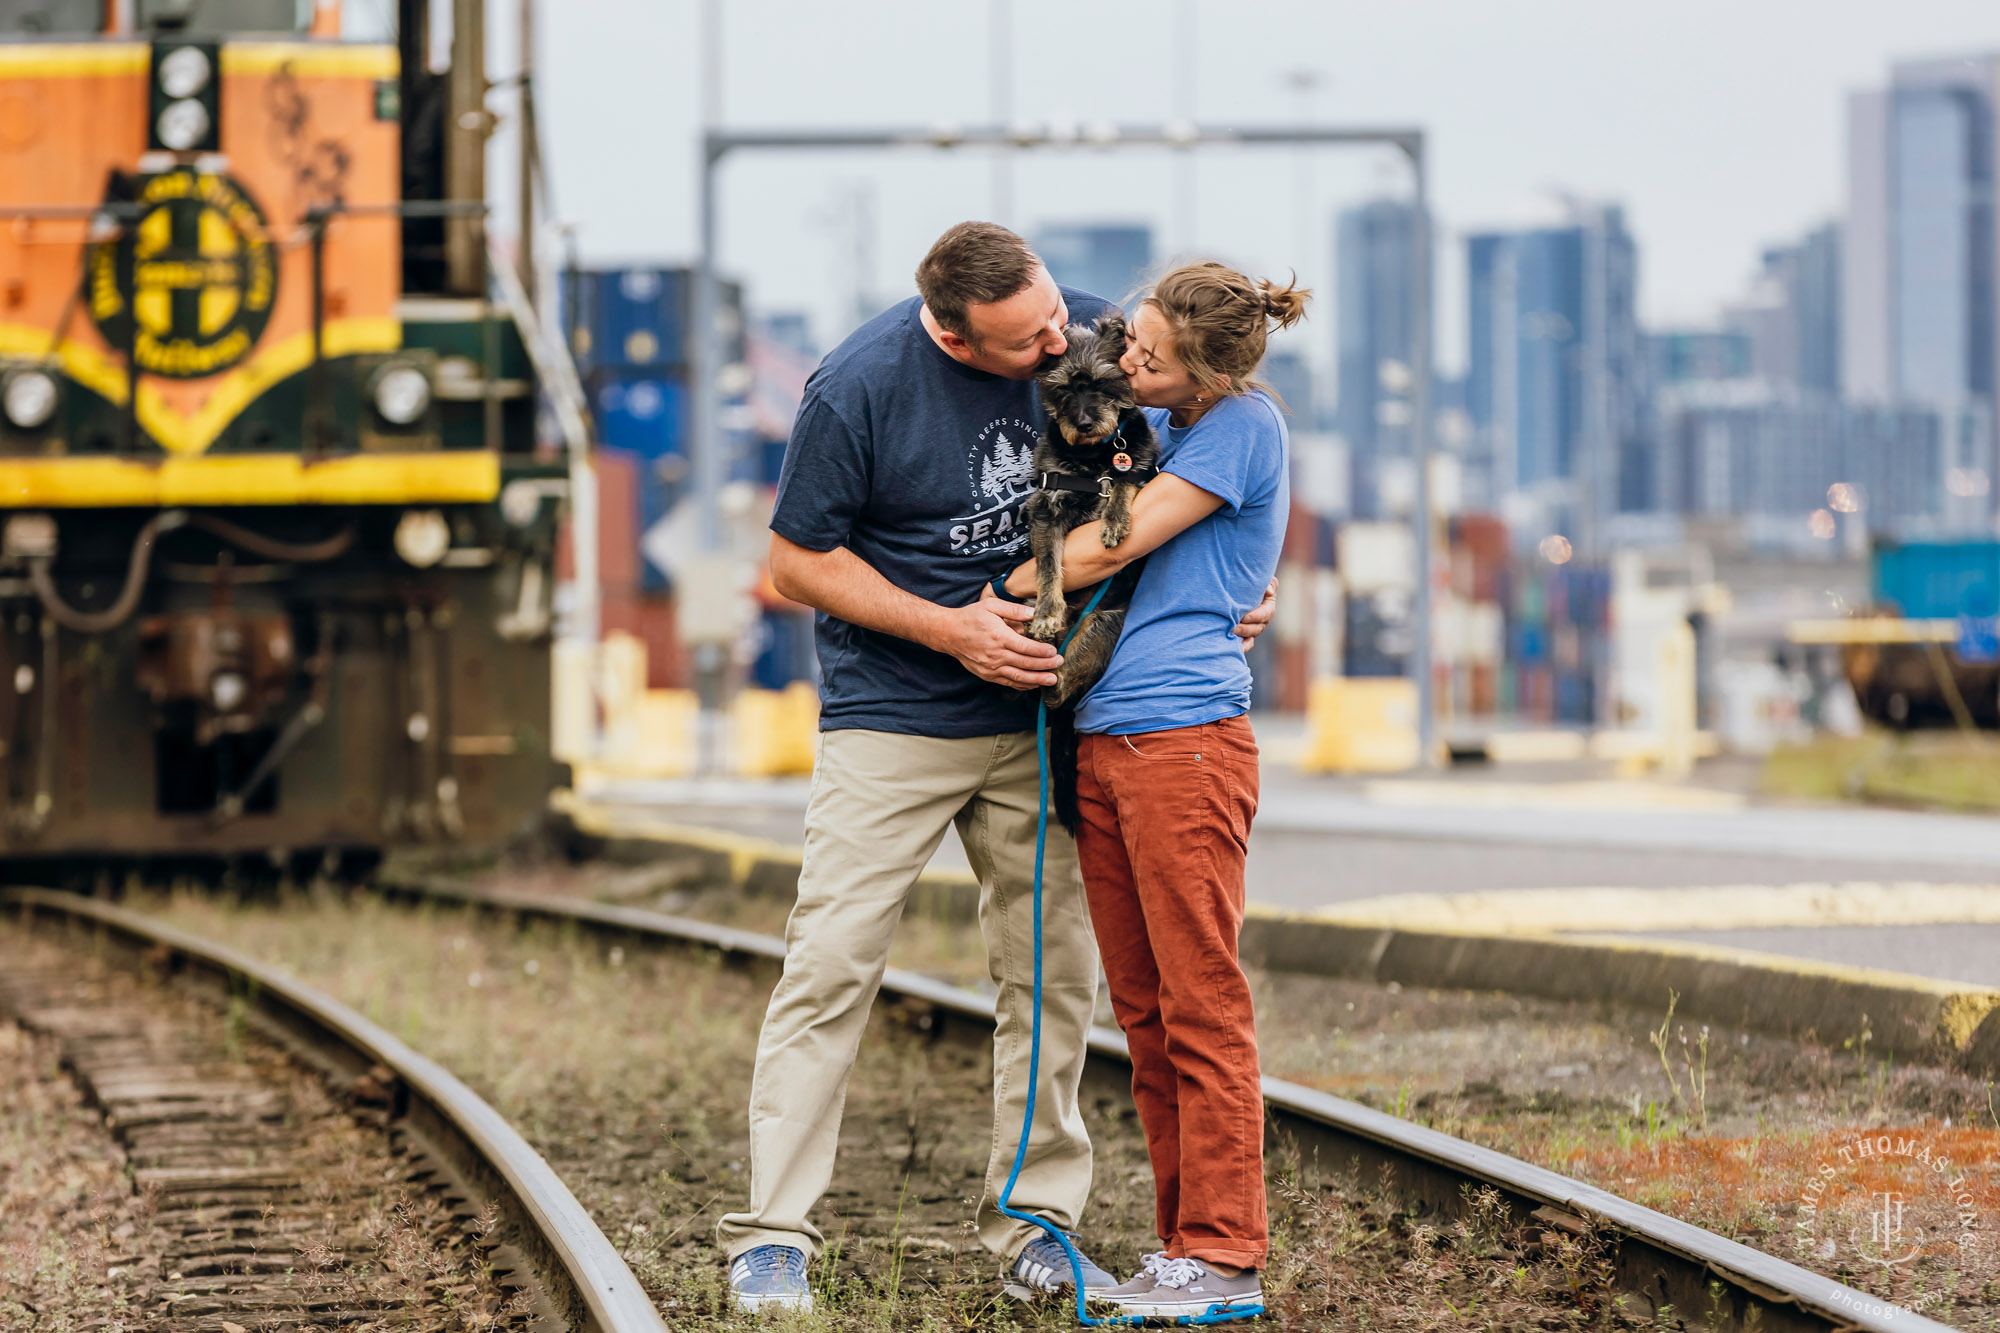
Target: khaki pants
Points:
(879, 808)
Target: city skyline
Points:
(1550, 94)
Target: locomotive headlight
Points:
(183, 125)
(422, 537)
(29, 399)
(402, 394)
(184, 71)
(227, 691)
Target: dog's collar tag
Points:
(1122, 461)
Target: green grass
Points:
(1949, 770)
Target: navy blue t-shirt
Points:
(919, 464)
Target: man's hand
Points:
(1259, 618)
(984, 640)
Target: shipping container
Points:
(638, 317)
(785, 650)
(651, 620)
(617, 525)
(1938, 580)
(1378, 638)
(1480, 556)
(640, 411)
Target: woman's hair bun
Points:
(1286, 305)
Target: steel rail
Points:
(1660, 1259)
(584, 1282)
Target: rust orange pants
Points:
(1165, 825)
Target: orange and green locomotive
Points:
(276, 534)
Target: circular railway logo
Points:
(190, 284)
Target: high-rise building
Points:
(1557, 379)
(1921, 268)
(1676, 356)
(1110, 260)
(1372, 258)
(1791, 316)
(1816, 305)
(1290, 374)
(1744, 448)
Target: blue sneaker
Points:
(770, 1277)
(1043, 1269)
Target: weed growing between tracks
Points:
(1720, 1127)
(630, 1071)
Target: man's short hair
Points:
(975, 263)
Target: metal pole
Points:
(526, 129)
(706, 363)
(466, 128)
(1420, 449)
(1184, 199)
(1002, 38)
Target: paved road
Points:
(1323, 842)
(1950, 953)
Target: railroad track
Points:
(244, 1196)
(1659, 1260)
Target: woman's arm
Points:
(1165, 507)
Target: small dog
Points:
(1097, 452)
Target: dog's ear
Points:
(1111, 333)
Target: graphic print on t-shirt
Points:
(998, 472)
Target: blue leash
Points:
(1214, 1315)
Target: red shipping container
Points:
(1282, 676)
(1301, 537)
(650, 619)
(617, 526)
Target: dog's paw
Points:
(1046, 628)
(1115, 530)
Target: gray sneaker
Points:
(1043, 1269)
(1141, 1282)
(1189, 1287)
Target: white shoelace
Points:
(1178, 1273)
(1151, 1264)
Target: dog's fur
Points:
(1092, 417)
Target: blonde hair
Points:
(1218, 321)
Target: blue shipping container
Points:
(627, 318)
(785, 652)
(641, 414)
(1939, 580)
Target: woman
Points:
(1167, 774)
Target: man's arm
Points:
(981, 636)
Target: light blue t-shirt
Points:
(1179, 663)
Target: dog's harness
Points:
(1122, 467)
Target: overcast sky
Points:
(1718, 124)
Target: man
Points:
(902, 496)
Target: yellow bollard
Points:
(1361, 725)
(621, 684)
(774, 733)
(666, 726)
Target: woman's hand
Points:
(1259, 617)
